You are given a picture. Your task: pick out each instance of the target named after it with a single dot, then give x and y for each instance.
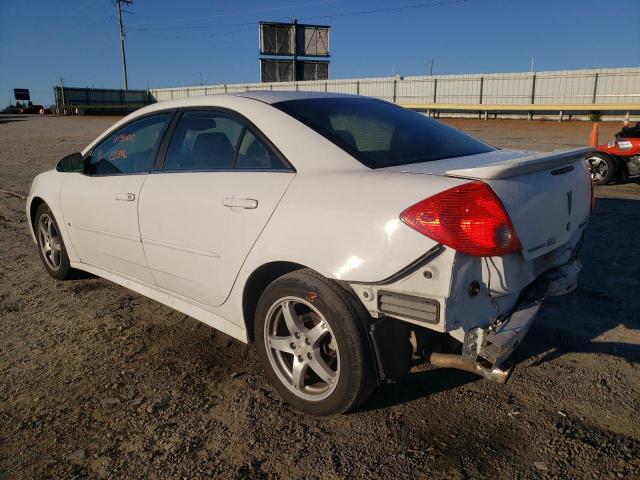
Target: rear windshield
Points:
(380, 134)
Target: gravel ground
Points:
(99, 382)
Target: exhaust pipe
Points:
(448, 360)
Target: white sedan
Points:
(342, 235)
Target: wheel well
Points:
(614, 158)
(35, 203)
(257, 282)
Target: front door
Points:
(100, 207)
(203, 211)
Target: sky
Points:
(174, 43)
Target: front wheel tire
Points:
(311, 337)
(50, 244)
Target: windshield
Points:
(380, 134)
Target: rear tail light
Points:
(469, 218)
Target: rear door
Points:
(100, 206)
(202, 210)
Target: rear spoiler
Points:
(523, 165)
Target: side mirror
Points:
(71, 163)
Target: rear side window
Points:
(255, 155)
(130, 149)
(380, 134)
(203, 141)
(209, 140)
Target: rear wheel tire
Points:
(312, 340)
(602, 167)
(50, 244)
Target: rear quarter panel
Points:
(346, 225)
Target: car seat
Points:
(212, 150)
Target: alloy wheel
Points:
(598, 168)
(50, 242)
(302, 348)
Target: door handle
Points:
(248, 203)
(126, 197)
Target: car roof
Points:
(265, 96)
(271, 97)
(220, 99)
(231, 100)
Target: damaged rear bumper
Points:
(485, 350)
(491, 346)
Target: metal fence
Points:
(99, 100)
(596, 89)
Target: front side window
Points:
(380, 134)
(130, 149)
(209, 140)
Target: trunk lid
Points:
(547, 195)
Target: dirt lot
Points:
(99, 382)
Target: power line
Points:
(209, 35)
(388, 9)
(244, 12)
(162, 30)
(190, 27)
(134, 26)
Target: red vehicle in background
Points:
(618, 159)
(31, 109)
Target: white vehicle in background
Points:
(339, 234)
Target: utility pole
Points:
(295, 49)
(431, 67)
(62, 94)
(531, 65)
(121, 31)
